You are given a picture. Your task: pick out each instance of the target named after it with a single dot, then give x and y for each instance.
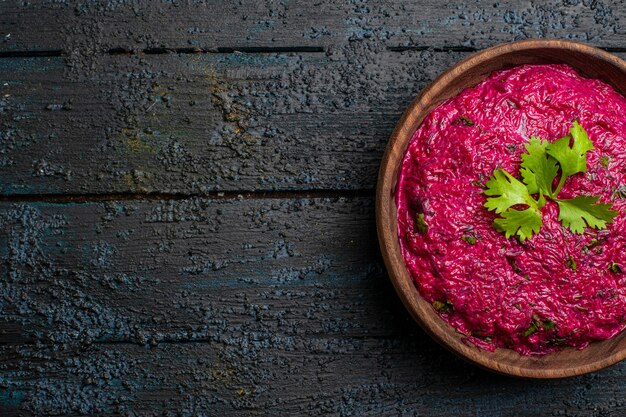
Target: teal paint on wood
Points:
(11, 398)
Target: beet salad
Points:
(511, 210)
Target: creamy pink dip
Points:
(492, 289)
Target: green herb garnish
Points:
(469, 239)
(538, 169)
(420, 224)
(594, 242)
(571, 263)
(507, 191)
(572, 159)
(614, 267)
(558, 341)
(540, 165)
(537, 323)
(442, 307)
(574, 212)
(604, 161)
(531, 329)
(464, 120)
(548, 324)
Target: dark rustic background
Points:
(187, 224)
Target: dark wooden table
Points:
(187, 223)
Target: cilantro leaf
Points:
(540, 166)
(506, 191)
(574, 212)
(520, 223)
(538, 169)
(571, 159)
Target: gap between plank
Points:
(614, 49)
(405, 48)
(170, 341)
(221, 50)
(206, 340)
(431, 48)
(163, 50)
(30, 54)
(156, 196)
(253, 50)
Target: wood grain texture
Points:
(246, 307)
(88, 123)
(373, 377)
(201, 123)
(408, 377)
(242, 306)
(205, 123)
(102, 25)
(189, 270)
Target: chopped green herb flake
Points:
(615, 268)
(531, 329)
(466, 121)
(604, 161)
(571, 263)
(420, 224)
(469, 239)
(558, 341)
(548, 324)
(537, 323)
(592, 244)
(442, 307)
(511, 261)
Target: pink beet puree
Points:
(494, 288)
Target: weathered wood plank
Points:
(203, 123)
(283, 305)
(200, 123)
(372, 377)
(89, 26)
(276, 307)
(195, 269)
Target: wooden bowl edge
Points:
(386, 222)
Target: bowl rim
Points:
(386, 222)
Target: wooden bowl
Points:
(588, 61)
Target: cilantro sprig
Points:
(541, 164)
